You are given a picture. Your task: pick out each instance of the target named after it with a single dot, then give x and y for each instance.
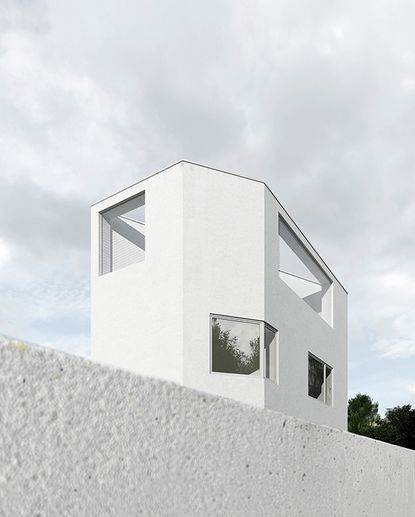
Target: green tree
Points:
(383, 431)
(401, 419)
(398, 426)
(252, 361)
(363, 414)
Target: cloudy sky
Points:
(315, 98)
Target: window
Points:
(241, 346)
(320, 380)
(123, 235)
(271, 351)
(300, 271)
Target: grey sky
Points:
(315, 98)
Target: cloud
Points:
(4, 253)
(395, 347)
(42, 225)
(411, 390)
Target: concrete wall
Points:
(79, 439)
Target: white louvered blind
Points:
(124, 250)
(105, 246)
(123, 235)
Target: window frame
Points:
(312, 261)
(325, 366)
(262, 355)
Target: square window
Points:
(244, 347)
(235, 346)
(320, 380)
(123, 235)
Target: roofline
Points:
(282, 206)
(137, 182)
(238, 176)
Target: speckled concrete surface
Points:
(80, 439)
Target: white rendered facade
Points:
(207, 262)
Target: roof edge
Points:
(137, 182)
(282, 206)
(238, 176)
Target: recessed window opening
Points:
(123, 234)
(271, 353)
(300, 271)
(244, 347)
(320, 380)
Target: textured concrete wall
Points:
(80, 439)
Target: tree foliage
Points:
(397, 427)
(362, 414)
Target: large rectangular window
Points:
(123, 235)
(244, 347)
(235, 346)
(320, 380)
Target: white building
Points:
(201, 277)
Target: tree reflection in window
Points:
(320, 380)
(315, 378)
(235, 346)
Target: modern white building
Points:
(201, 277)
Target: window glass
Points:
(320, 380)
(315, 378)
(235, 346)
(270, 344)
(329, 385)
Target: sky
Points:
(317, 99)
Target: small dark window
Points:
(320, 380)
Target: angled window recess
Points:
(244, 347)
(123, 234)
(300, 271)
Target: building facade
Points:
(201, 277)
